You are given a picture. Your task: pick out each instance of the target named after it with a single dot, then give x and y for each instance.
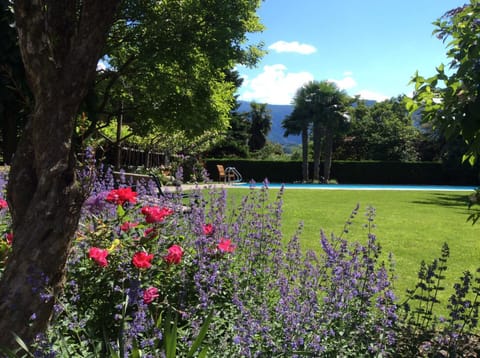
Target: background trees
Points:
(382, 131)
(235, 139)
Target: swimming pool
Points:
(358, 187)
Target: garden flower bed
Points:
(147, 279)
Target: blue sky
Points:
(367, 47)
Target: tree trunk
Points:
(305, 154)
(327, 165)
(61, 43)
(317, 148)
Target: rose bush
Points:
(135, 258)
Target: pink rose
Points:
(142, 259)
(3, 204)
(99, 256)
(150, 294)
(174, 255)
(225, 245)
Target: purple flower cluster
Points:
(423, 333)
(339, 303)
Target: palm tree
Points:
(329, 105)
(323, 105)
(260, 125)
(294, 124)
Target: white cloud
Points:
(275, 85)
(345, 83)
(295, 46)
(348, 82)
(366, 94)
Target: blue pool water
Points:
(359, 187)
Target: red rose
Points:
(142, 259)
(99, 255)
(155, 214)
(9, 237)
(3, 204)
(121, 195)
(208, 229)
(225, 245)
(127, 226)
(150, 294)
(174, 255)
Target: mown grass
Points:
(412, 225)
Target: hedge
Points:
(359, 172)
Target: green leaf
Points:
(22, 344)
(136, 351)
(170, 334)
(470, 158)
(120, 211)
(201, 335)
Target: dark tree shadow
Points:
(460, 202)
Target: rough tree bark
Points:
(61, 42)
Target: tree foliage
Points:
(167, 65)
(170, 64)
(451, 98)
(383, 131)
(234, 141)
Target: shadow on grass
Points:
(447, 200)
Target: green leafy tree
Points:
(260, 125)
(450, 99)
(383, 131)
(170, 64)
(235, 140)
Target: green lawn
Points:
(413, 225)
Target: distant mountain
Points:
(279, 112)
